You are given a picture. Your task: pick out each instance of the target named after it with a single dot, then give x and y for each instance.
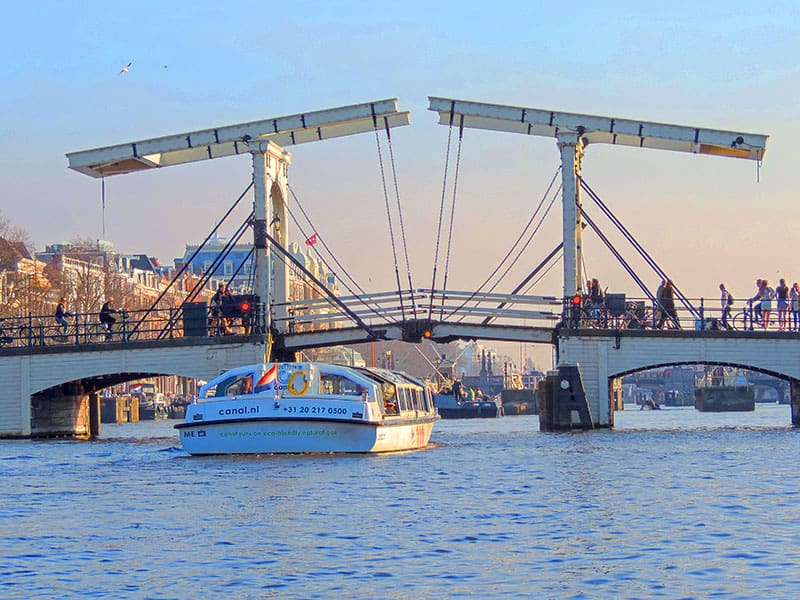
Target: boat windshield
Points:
(235, 385)
(336, 384)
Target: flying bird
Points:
(126, 68)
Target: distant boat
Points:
(451, 408)
(724, 393)
(152, 406)
(308, 407)
(725, 398)
(519, 401)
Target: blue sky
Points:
(727, 65)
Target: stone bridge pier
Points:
(603, 357)
(62, 411)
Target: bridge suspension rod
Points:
(637, 246)
(334, 300)
(186, 265)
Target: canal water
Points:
(671, 504)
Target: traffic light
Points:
(238, 305)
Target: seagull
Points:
(126, 68)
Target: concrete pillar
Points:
(794, 399)
(571, 148)
(592, 355)
(94, 414)
(270, 170)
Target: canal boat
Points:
(308, 407)
(450, 407)
(725, 398)
(721, 391)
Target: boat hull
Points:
(724, 399)
(284, 436)
(450, 409)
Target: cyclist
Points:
(62, 314)
(107, 318)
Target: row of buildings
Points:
(86, 272)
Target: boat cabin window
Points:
(235, 385)
(339, 385)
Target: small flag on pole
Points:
(267, 380)
(312, 239)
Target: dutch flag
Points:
(268, 380)
(136, 388)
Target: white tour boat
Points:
(308, 407)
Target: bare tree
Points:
(88, 290)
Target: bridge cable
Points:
(527, 243)
(219, 259)
(617, 255)
(209, 273)
(331, 296)
(320, 239)
(622, 261)
(441, 208)
(186, 265)
(530, 237)
(388, 215)
(400, 213)
(375, 308)
(531, 275)
(550, 267)
(314, 284)
(452, 212)
(642, 252)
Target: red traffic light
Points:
(576, 300)
(244, 306)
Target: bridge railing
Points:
(619, 311)
(130, 326)
(387, 308)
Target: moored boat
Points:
(725, 398)
(308, 407)
(450, 407)
(724, 391)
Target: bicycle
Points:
(100, 331)
(744, 320)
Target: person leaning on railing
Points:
(596, 297)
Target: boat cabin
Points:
(393, 392)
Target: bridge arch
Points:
(706, 363)
(604, 356)
(59, 379)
